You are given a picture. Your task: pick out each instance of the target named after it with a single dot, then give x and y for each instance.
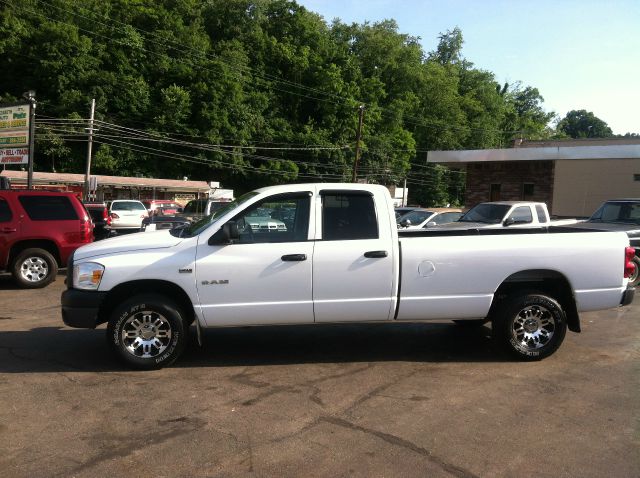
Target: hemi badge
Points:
(185, 271)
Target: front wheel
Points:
(530, 326)
(147, 332)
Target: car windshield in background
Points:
(486, 213)
(195, 206)
(415, 217)
(128, 206)
(623, 212)
(199, 226)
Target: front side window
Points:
(521, 214)
(348, 216)
(279, 218)
(48, 208)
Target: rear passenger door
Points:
(9, 229)
(353, 263)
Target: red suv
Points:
(38, 232)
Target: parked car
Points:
(620, 215)
(500, 214)
(343, 260)
(401, 211)
(38, 232)
(101, 219)
(199, 208)
(126, 215)
(162, 207)
(422, 218)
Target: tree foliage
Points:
(246, 76)
(583, 124)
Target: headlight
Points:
(87, 275)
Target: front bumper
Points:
(627, 295)
(80, 308)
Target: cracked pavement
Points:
(321, 400)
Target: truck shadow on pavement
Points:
(53, 349)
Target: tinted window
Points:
(5, 212)
(542, 217)
(486, 213)
(348, 216)
(522, 214)
(446, 217)
(48, 208)
(416, 217)
(128, 206)
(195, 206)
(281, 218)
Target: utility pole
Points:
(404, 193)
(89, 146)
(358, 137)
(31, 97)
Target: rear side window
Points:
(128, 206)
(48, 208)
(348, 216)
(5, 212)
(542, 216)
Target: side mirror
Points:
(431, 224)
(405, 223)
(227, 234)
(508, 222)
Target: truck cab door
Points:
(9, 229)
(353, 262)
(264, 277)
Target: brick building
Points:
(572, 176)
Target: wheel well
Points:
(551, 283)
(48, 246)
(126, 290)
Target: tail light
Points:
(114, 216)
(629, 266)
(86, 229)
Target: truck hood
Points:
(137, 241)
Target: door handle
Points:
(294, 257)
(375, 254)
(8, 229)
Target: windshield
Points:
(195, 206)
(486, 213)
(621, 212)
(199, 226)
(415, 217)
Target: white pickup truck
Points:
(339, 258)
(499, 214)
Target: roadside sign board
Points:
(14, 134)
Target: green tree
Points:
(583, 124)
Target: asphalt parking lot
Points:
(369, 400)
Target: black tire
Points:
(634, 280)
(147, 332)
(530, 326)
(470, 323)
(34, 268)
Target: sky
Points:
(580, 54)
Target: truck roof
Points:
(341, 186)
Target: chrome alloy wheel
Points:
(34, 269)
(146, 334)
(533, 327)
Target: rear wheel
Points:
(147, 332)
(530, 326)
(34, 268)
